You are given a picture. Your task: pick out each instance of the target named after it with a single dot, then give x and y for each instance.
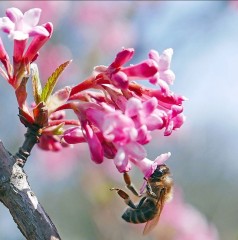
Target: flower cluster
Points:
(114, 113)
(117, 115)
(20, 27)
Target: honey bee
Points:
(159, 188)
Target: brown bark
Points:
(17, 196)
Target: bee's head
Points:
(159, 172)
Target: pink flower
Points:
(164, 73)
(119, 76)
(21, 26)
(125, 153)
(74, 135)
(115, 126)
(126, 124)
(145, 117)
(48, 7)
(171, 105)
(109, 133)
(121, 130)
(118, 129)
(115, 115)
(37, 42)
(94, 144)
(148, 167)
(50, 143)
(156, 112)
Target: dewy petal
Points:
(32, 16)
(122, 57)
(14, 14)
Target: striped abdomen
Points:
(142, 214)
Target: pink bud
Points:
(122, 57)
(120, 80)
(19, 48)
(94, 144)
(3, 53)
(73, 135)
(37, 43)
(145, 69)
(4, 58)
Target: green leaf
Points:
(55, 130)
(36, 84)
(59, 129)
(52, 80)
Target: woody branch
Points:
(17, 196)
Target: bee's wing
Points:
(153, 222)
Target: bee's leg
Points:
(149, 189)
(124, 196)
(129, 184)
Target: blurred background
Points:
(75, 191)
